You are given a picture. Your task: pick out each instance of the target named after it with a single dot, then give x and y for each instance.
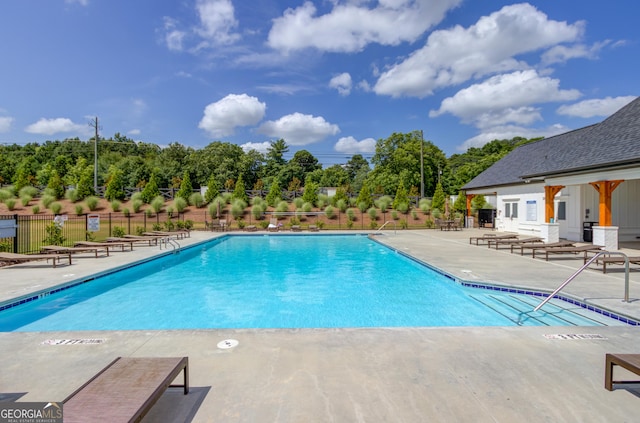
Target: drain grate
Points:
(574, 336)
(73, 341)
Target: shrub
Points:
(5, 194)
(241, 223)
(264, 224)
(139, 230)
(237, 209)
(429, 224)
(349, 224)
(25, 199)
(282, 206)
(169, 225)
(307, 207)
(424, 204)
(196, 200)
(404, 224)
(6, 246)
(157, 204)
(28, 190)
(92, 203)
(394, 215)
(373, 224)
(330, 212)
(126, 212)
(180, 204)
(298, 202)
(79, 209)
(118, 231)
(54, 235)
(156, 227)
(170, 211)
(373, 214)
(136, 196)
(148, 213)
(137, 205)
(72, 195)
(227, 196)
(90, 236)
(403, 208)
(257, 212)
(115, 205)
(351, 214)
(35, 209)
(362, 206)
(342, 205)
(414, 214)
(383, 203)
(47, 200)
(188, 224)
(55, 207)
(10, 203)
(257, 201)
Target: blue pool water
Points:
(270, 282)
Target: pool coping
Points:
(514, 289)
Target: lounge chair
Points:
(295, 228)
(107, 245)
(179, 234)
(57, 249)
(274, 226)
(130, 241)
(604, 260)
(125, 390)
(25, 258)
(508, 241)
(631, 362)
(146, 238)
(218, 225)
(314, 228)
(537, 246)
(250, 228)
(567, 250)
(487, 237)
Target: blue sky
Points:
(328, 76)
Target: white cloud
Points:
(222, 117)
(455, 55)
(55, 126)
(134, 132)
(596, 107)
(5, 123)
(217, 22)
(342, 83)
(80, 2)
(509, 132)
(299, 129)
(216, 25)
(350, 145)
(562, 53)
(505, 97)
(350, 26)
(261, 147)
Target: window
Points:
(562, 210)
(510, 210)
(514, 210)
(507, 210)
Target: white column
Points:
(550, 232)
(606, 236)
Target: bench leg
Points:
(608, 373)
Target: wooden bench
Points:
(630, 362)
(125, 390)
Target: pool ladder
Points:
(168, 241)
(591, 260)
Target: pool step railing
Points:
(385, 224)
(168, 241)
(586, 264)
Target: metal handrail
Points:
(591, 260)
(385, 224)
(175, 244)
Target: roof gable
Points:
(613, 141)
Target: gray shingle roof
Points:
(614, 141)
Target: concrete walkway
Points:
(476, 374)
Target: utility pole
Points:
(94, 124)
(421, 165)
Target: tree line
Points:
(123, 162)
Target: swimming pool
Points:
(275, 281)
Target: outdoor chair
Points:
(25, 258)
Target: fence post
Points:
(15, 238)
(86, 226)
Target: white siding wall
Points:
(520, 195)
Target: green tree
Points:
(186, 189)
(401, 198)
(275, 194)
(239, 192)
(310, 194)
(364, 197)
(150, 190)
(460, 205)
(212, 189)
(115, 184)
(56, 185)
(437, 202)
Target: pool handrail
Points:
(385, 224)
(591, 260)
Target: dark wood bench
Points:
(125, 390)
(630, 362)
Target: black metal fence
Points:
(28, 233)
